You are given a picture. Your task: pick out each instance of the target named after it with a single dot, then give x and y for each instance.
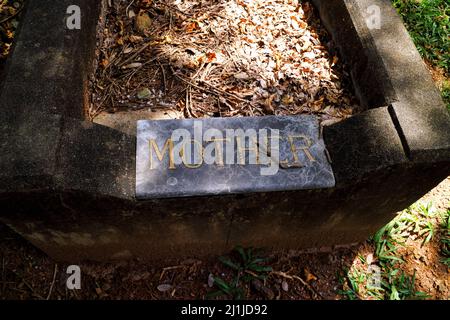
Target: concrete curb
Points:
(67, 185)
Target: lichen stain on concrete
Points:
(219, 216)
(125, 254)
(111, 145)
(110, 236)
(30, 226)
(218, 224)
(54, 61)
(145, 229)
(334, 220)
(56, 68)
(181, 233)
(37, 236)
(70, 238)
(33, 60)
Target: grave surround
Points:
(239, 161)
(69, 185)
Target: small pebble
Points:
(285, 286)
(210, 280)
(164, 287)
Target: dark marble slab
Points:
(223, 166)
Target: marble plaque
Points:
(200, 157)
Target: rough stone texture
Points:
(68, 186)
(74, 226)
(349, 214)
(350, 33)
(96, 159)
(49, 71)
(44, 151)
(363, 144)
(387, 70)
(126, 122)
(422, 118)
(246, 172)
(28, 150)
(77, 226)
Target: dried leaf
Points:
(268, 105)
(104, 63)
(143, 22)
(211, 56)
(241, 76)
(263, 57)
(135, 39)
(144, 93)
(191, 27)
(369, 259)
(309, 276)
(132, 65)
(287, 99)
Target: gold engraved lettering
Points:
(186, 161)
(241, 150)
(305, 148)
(160, 154)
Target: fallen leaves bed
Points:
(219, 59)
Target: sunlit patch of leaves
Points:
(415, 222)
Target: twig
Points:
(187, 105)
(211, 58)
(145, 46)
(190, 83)
(217, 92)
(126, 10)
(53, 281)
(191, 104)
(284, 275)
(225, 92)
(164, 76)
(168, 269)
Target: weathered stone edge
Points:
(56, 200)
(397, 72)
(61, 158)
(45, 55)
(370, 80)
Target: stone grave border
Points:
(68, 185)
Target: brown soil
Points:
(432, 275)
(439, 75)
